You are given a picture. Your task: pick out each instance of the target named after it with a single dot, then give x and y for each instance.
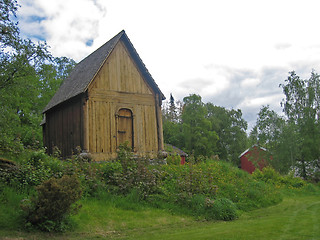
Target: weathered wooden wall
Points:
(119, 85)
(63, 128)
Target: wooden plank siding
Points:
(109, 97)
(119, 85)
(64, 128)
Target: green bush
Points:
(54, 202)
(221, 209)
(213, 180)
(269, 175)
(174, 159)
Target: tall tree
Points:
(199, 137)
(9, 31)
(278, 136)
(172, 127)
(231, 129)
(302, 108)
(29, 76)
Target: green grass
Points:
(10, 208)
(297, 217)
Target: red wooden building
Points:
(254, 157)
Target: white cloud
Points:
(217, 49)
(68, 24)
(250, 82)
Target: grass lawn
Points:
(297, 217)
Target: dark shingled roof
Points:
(85, 71)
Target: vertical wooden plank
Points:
(97, 122)
(159, 126)
(143, 129)
(133, 78)
(150, 128)
(103, 127)
(132, 68)
(118, 68)
(49, 129)
(76, 124)
(60, 140)
(113, 128)
(98, 130)
(121, 68)
(125, 69)
(136, 128)
(93, 130)
(107, 128)
(112, 71)
(102, 78)
(106, 76)
(85, 124)
(70, 131)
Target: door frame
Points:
(118, 117)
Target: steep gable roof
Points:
(250, 148)
(85, 71)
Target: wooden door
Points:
(125, 127)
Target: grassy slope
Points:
(297, 217)
(294, 218)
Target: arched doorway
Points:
(125, 127)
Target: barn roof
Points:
(255, 145)
(85, 71)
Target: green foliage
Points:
(173, 159)
(29, 78)
(204, 129)
(214, 180)
(196, 128)
(127, 174)
(294, 140)
(54, 202)
(221, 209)
(208, 189)
(271, 176)
(30, 171)
(10, 213)
(173, 154)
(231, 129)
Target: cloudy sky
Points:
(233, 53)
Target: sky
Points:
(232, 53)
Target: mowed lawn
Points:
(297, 217)
(294, 218)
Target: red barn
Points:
(254, 157)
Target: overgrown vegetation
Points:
(46, 188)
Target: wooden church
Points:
(108, 99)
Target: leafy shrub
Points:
(174, 159)
(213, 180)
(125, 157)
(32, 168)
(271, 176)
(54, 202)
(221, 209)
(128, 173)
